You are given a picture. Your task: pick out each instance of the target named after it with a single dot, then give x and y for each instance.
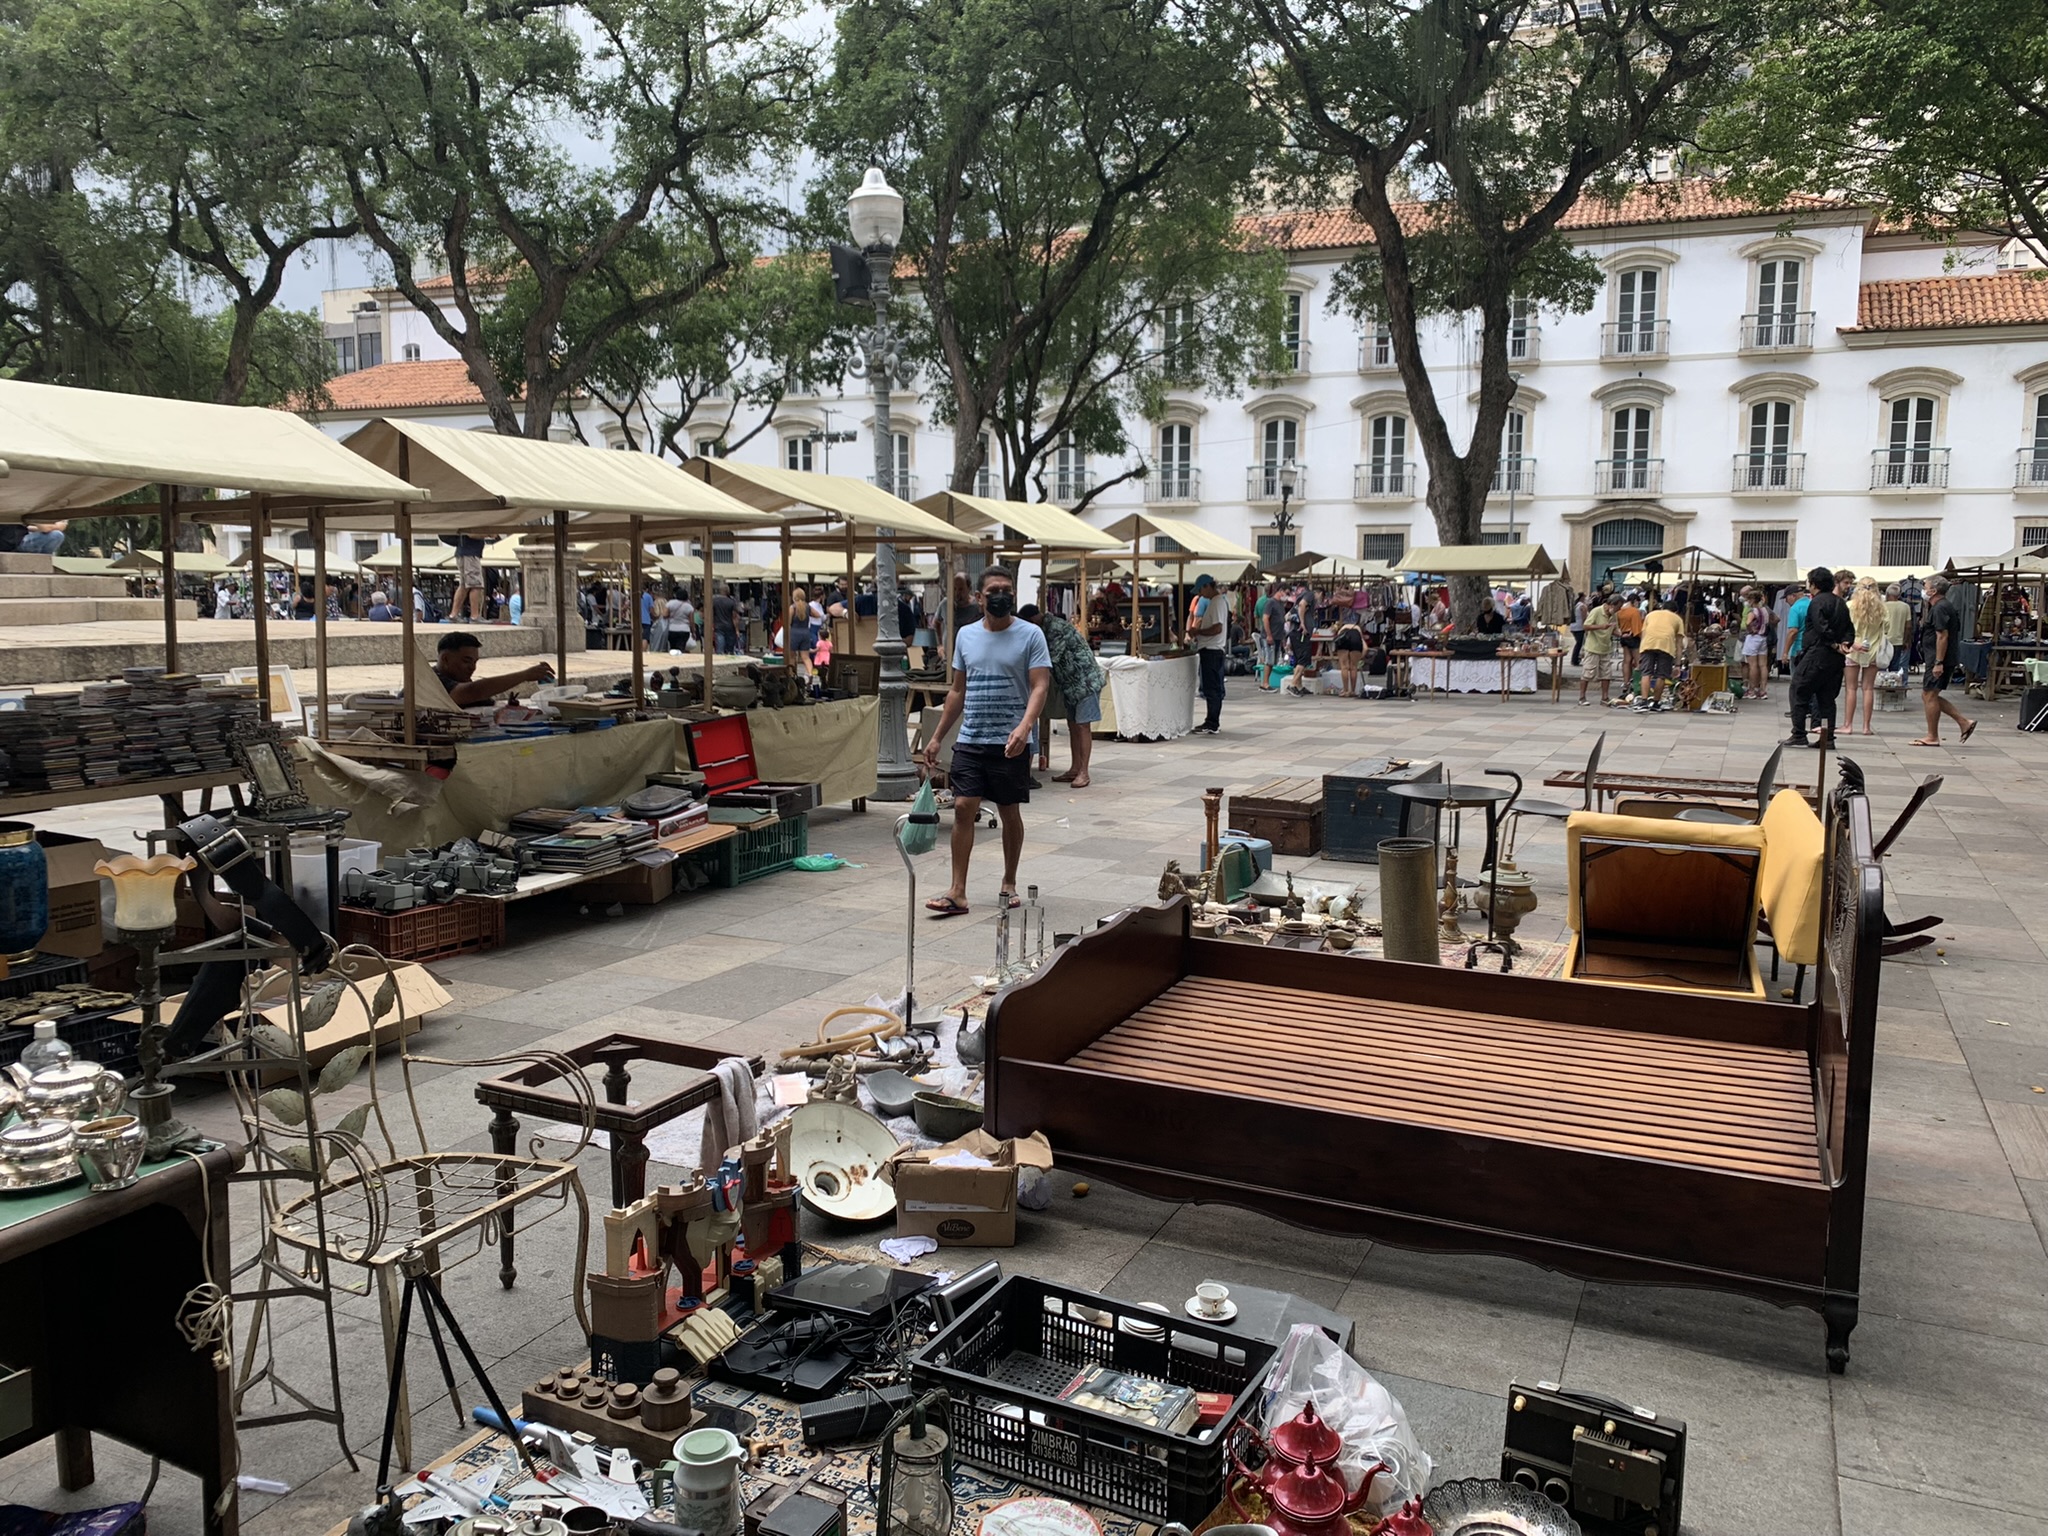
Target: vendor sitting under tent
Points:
(455, 666)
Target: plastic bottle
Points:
(46, 1050)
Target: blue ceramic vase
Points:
(24, 892)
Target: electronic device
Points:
(1619, 1471)
(856, 1293)
(856, 1415)
(800, 1359)
(948, 1301)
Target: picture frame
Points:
(1155, 615)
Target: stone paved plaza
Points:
(1940, 1425)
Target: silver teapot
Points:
(77, 1091)
(36, 1153)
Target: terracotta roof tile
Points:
(1946, 303)
(1660, 203)
(403, 386)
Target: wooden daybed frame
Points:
(1616, 1134)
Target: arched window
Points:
(1387, 472)
(1910, 456)
(1770, 463)
(1639, 328)
(1622, 542)
(1779, 324)
(1279, 444)
(1175, 480)
(797, 453)
(1069, 470)
(1631, 467)
(2033, 470)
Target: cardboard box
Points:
(964, 1207)
(645, 881)
(75, 928)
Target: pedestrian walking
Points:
(1001, 673)
(1945, 643)
(1208, 630)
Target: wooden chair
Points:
(1661, 904)
(1709, 812)
(1903, 938)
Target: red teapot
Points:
(1303, 1491)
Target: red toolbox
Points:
(723, 751)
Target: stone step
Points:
(33, 653)
(60, 585)
(42, 611)
(27, 565)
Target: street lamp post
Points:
(1514, 468)
(1288, 476)
(875, 215)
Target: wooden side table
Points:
(538, 1090)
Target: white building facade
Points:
(1795, 387)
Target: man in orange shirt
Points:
(1628, 634)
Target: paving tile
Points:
(1876, 1509)
(740, 993)
(1166, 1274)
(1471, 1322)
(1771, 1462)
(1227, 1229)
(1991, 1276)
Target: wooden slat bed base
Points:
(1745, 1110)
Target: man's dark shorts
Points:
(984, 773)
(1937, 678)
(1657, 664)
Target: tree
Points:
(765, 330)
(1936, 113)
(1070, 166)
(579, 170)
(1468, 130)
(196, 127)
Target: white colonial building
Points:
(1805, 386)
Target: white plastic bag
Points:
(1312, 1368)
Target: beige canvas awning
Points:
(1684, 562)
(1479, 560)
(1343, 569)
(72, 448)
(486, 481)
(1037, 523)
(788, 491)
(1195, 541)
(202, 562)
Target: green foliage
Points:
(1463, 133)
(581, 171)
(766, 329)
(1935, 112)
(1070, 168)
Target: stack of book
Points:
(146, 725)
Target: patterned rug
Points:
(1535, 957)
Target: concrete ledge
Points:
(34, 653)
(27, 565)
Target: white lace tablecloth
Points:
(1154, 698)
(1454, 675)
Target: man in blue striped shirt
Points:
(1002, 670)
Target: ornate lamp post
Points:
(1288, 475)
(875, 215)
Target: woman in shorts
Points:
(1349, 646)
(800, 633)
(1868, 650)
(1756, 645)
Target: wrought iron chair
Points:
(382, 1211)
(1551, 810)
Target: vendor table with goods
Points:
(92, 1288)
(1154, 696)
(1441, 672)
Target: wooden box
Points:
(1288, 813)
(1360, 807)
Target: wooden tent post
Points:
(167, 528)
(403, 522)
(262, 563)
(319, 532)
(710, 643)
(782, 600)
(633, 581)
(1135, 649)
(852, 622)
(563, 606)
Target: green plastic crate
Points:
(755, 851)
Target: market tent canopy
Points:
(1030, 522)
(770, 489)
(1792, 573)
(1479, 560)
(70, 448)
(203, 562)
(1686, 561)
(1351, 570)
(302, 560)
(433, 555)
(83, 565)
(477, 475)
(1160, 573)
(2026, 560)
(1195, 541)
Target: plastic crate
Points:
(41, 974)
(97, 1035)
(459, 927)
(1005, 1361)
(752, 852)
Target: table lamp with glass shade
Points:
(916, 1497)
(145, 913)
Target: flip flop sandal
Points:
(945, 906)
(1969, 730)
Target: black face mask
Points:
(999, 604)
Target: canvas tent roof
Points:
(1688, 559)
(72, 448)
(489, 480)
(202, 562)
(1034, 522)
(1198, 542)
(1351, 570)
(1479, 560)
(770, 489)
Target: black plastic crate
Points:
(1004, 1363)
(98, 1034)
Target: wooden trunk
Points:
(1288, 813)
(1360, 807)
(1608, 1133)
